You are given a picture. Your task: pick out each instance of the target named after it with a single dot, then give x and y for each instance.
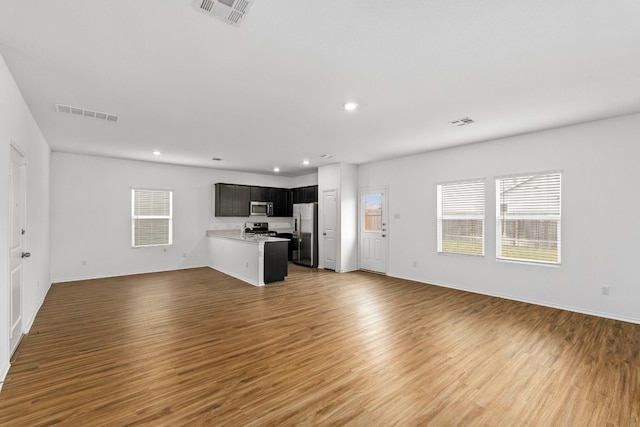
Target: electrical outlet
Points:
(184, 255)
(83, 262)
(605, 290)
(415, 263)
(246, 264)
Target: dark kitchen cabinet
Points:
(310, 194)
(241, 201)
(305, 194)
(261, 194)
(298, 195)
(232, 200)
(276, 265)
(224, 200)
(280, 198)
(235, 200)
(291, 244)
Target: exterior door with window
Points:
(373, 230)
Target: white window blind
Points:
(461, 218)
(151, 217)
(528, 217)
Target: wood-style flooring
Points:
(198, 348)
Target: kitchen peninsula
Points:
(255, 259)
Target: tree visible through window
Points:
(461, 218)
(528, 217)
(151, 217)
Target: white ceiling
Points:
(269, 92)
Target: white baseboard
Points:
(3, 374)
(124, 274)
(535, 302)
(28, 326)
(236, 276)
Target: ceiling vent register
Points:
(229, 11)
(86, 113)
(465, 121)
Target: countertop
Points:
(249, 238)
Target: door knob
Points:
(324, 234)
(26, 254)
(384, 235)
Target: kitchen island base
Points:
(255, 260)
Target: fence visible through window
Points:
(373, 213)
(528, 221)
(461, 217)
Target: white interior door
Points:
(373, 230)
(329, 234)
(17, 253)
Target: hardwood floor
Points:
(196, 347)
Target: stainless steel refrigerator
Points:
(305, 234)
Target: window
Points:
(151, 217)
(461, 218)
(528, 218)
(373, 213)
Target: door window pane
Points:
(373, 213)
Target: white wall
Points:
(600, 206)
(304, 180)
(91, 208)
(348, 217)
(342, 178)
(328, 179)
(17, 126)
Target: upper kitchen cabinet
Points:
(281, 198)
(235, 200)
(278, 196)
(311, 194)
(305, 194)
(261, 194)
(232, 200)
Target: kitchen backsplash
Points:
(235, 223)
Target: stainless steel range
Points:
(258, 229)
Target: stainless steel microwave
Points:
(261, 209)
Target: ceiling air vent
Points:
(86, 113)
(462, 122)
(229, 11)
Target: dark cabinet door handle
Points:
(26, 254)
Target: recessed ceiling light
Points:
(276, 169)
(350, 106)
(305, 162)
(156, 153)
(327, 156)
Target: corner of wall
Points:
(4, 370)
